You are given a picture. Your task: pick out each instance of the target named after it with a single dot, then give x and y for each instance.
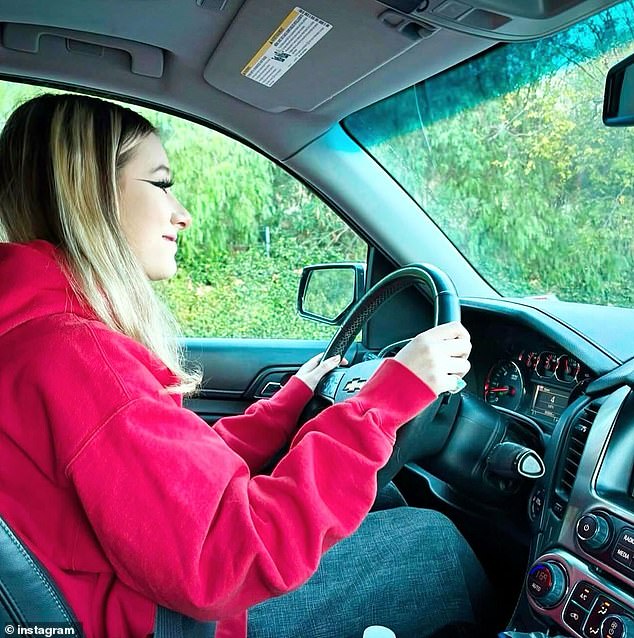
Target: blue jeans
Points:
(405, 568)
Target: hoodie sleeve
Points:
(182, 521)
(266, 425)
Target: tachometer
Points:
(567, 369)
(546, 365)
(504, 385)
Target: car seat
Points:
(28, 595)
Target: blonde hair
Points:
(60, 157)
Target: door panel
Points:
(238, 371)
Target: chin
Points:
(166, 271)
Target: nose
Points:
(180, 216)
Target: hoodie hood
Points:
(33, 284)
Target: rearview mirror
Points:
(328, 291)
(618, 100)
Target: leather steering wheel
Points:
(443, 293)
(343, 383)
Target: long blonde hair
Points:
(60, 157)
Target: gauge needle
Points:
(503, 389)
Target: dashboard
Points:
(582, 573)
(580, 580)
(565, 538)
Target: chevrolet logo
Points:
(354, 385)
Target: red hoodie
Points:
(131, 500)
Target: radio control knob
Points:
(617, 627)
(593, 530)
(546, 583)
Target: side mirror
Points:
(618, 100)
(328, 291)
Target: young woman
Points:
(133, 501)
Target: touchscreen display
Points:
(548, 403)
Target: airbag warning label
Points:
(298, 33)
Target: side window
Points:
(254, 228)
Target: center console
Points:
(580, 581)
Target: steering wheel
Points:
(419, 436)
(443, 293)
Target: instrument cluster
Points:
(537, 383)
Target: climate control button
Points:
(603, 609)
(584, 595)
(546, 583)
(617, 627)
(574, 616)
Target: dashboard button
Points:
(586, 527)
(626, 538)
(537, 503)
(601, 610)
(546, 583)
(584, 595)
(540, 580)
(594, 531)
(574, 616)
(622, 555)
(617, 627)
(558, 507)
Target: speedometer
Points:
(504, 385)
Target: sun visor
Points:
(279, 55)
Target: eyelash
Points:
(163, 184)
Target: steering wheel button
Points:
(584, 595)
(328, 387)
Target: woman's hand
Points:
(439, 356)
(312, 371)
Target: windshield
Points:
(508, 155)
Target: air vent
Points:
(576, 442)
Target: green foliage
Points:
(247, 295)
(507, 153)
(231, 283)
(329, 292)
(227, 285)
(518, 169)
